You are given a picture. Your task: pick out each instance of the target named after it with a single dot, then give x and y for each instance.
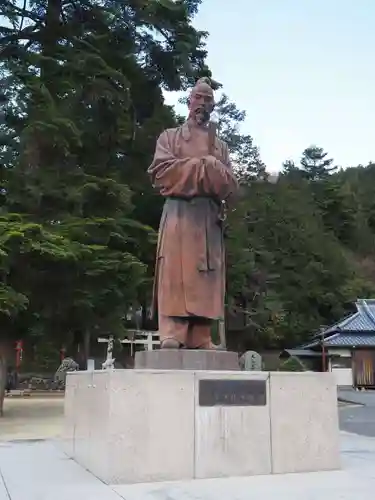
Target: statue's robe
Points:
(190, 263)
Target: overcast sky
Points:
(302, 70)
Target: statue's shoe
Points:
(170, 344)
(215, 347)
(210, 347)
(175, 344)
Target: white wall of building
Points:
(344, 353)
(343, 375)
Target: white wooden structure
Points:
(148, 339)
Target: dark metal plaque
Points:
(222, 392)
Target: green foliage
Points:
(245, 155)
(292, 364)
(314, 165)
(83, 106)
(46, 357)
(293, 261)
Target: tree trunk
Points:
(86, 347)
(3, 375)
(144, 325)
(50, 36)
(4, 355)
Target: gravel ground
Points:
(42, 418)
(31, 418)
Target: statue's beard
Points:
(201, 115)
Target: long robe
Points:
(190, 262)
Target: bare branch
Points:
(27, 33)
(21, 12)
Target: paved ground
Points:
(358, 419)
(38, 470)
(359, 397)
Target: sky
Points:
(302, 70)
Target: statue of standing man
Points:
(191, 169)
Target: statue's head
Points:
(201, 101)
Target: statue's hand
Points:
(210, 160)
(215, 163)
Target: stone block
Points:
(129, 426)
(151, 432)
(185, 359)
(86, 423)
(232, 440)
(304, 422)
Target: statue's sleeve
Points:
(222, 179)
(190, 176)
(176, 176)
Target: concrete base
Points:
(129, 426)
(186, 359)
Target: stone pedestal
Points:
(185, 359)
(128, 426)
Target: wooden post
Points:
(149, 341)
(222, 338)
(19, 354)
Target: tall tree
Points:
(314, 165)
(84, 108)
(291, 170)
(245, 154)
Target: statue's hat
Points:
(203, 86)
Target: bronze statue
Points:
(191, 169)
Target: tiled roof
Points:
(357, 329)
(363, 320)
(350, 340)
(302, 353)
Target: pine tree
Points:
(291, 171)
(315, 164)
(245, 155)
